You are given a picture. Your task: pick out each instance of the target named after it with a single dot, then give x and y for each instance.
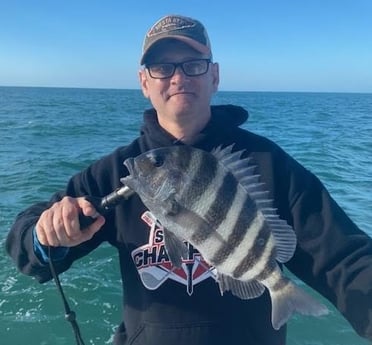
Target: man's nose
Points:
(179, 74)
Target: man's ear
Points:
(215, 76)
(143, 82)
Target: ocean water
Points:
(48, 134)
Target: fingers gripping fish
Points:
(215, 201)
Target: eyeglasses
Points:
(191, 68)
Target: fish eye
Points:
(157, 161)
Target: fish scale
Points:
(196, 167)
(215, 201)
(219, 206)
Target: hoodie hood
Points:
(224, 118)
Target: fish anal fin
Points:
(242, 289)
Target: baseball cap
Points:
(185, 29)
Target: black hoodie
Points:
(183, 307)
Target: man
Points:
(163, 305)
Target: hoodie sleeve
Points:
(333, 255)
(20, 240)
(20, 245)
(99, 179)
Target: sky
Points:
(261, 45)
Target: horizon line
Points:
(220, 90)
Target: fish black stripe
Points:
(220, 207)
(246, 216)
(267, 271)
(185, 152)
(186, 156)
(204, 176)
(255, 253)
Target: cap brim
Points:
(201, 48)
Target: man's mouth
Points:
(181, 93)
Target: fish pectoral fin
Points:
(170, 205)
(242, 289)
(176, 249)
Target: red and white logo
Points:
(154, 266)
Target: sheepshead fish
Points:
(215, 201)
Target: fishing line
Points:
(70, 315)
(102, 205)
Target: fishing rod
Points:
(103, 206)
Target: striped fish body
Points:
(215, 202)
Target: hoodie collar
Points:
(224, 119)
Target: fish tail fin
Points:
(293, 299)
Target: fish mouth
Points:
(129, 163)
(129, 180)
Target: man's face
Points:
(179, 96)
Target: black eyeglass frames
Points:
(191, 68)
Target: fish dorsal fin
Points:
(244, 172)
(240, 168)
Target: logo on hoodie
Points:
(155, 268)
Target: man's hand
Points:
(59, 225)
